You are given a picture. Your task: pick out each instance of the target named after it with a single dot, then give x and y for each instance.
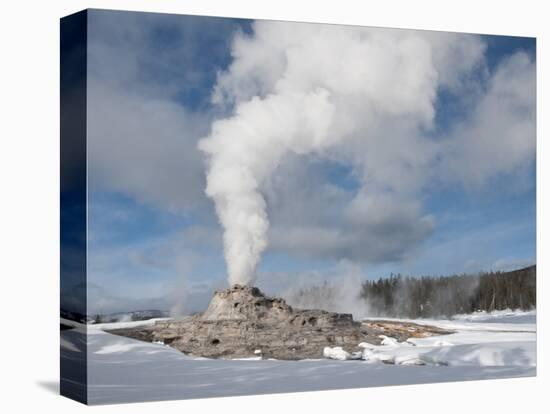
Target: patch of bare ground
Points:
(403, 330)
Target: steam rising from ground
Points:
(307, 89)
(338, 294)
(345, 292)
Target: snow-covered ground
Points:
(484, 346)
(507, 316)
(500, 338)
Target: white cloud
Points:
(145, 148)
(142, 140)
(499, 137)
(312, 218)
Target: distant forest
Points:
(433, 296)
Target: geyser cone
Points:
(246, 303)
(242, 322)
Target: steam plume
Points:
(244, 150)
(305, 88)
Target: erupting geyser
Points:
(243, 151)
(330, 93)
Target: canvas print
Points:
(253, 207)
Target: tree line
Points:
(433, 296)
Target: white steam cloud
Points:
(338, 292)
(307, 89)
(244, 151)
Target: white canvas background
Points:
(29, 203)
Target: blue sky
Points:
(154, 237)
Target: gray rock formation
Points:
(243, 322)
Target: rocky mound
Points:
(243, 322)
